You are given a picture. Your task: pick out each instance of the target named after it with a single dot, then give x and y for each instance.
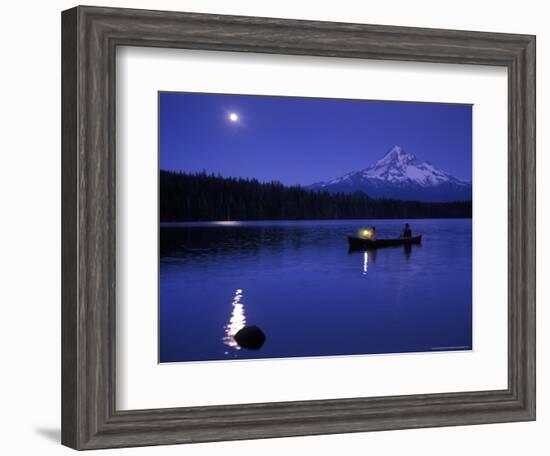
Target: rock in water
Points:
(250, 337)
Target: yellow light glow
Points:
(365, 233)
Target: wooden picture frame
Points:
(90, 36)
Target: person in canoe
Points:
(407, 232)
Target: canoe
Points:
(356, 243)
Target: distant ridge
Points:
(400, 175)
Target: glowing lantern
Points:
(365, 233)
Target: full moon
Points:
(233, 117)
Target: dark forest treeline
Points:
(204, 197)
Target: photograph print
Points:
(312, 227)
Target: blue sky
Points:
(306, 140)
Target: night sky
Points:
(306, 140)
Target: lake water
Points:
(310, 296)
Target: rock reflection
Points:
(236, 322)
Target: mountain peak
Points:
(395, 150)
(400, 173)
(394, 164)
(397, 154)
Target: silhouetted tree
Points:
(204, 197)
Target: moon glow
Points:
(233, 117)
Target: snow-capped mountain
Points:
(401, 175)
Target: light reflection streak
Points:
(227, 223)
(236, 322)
(365, 262)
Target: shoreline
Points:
(172, 223)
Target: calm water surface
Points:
(297, 281)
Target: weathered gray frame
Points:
(90, 36)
